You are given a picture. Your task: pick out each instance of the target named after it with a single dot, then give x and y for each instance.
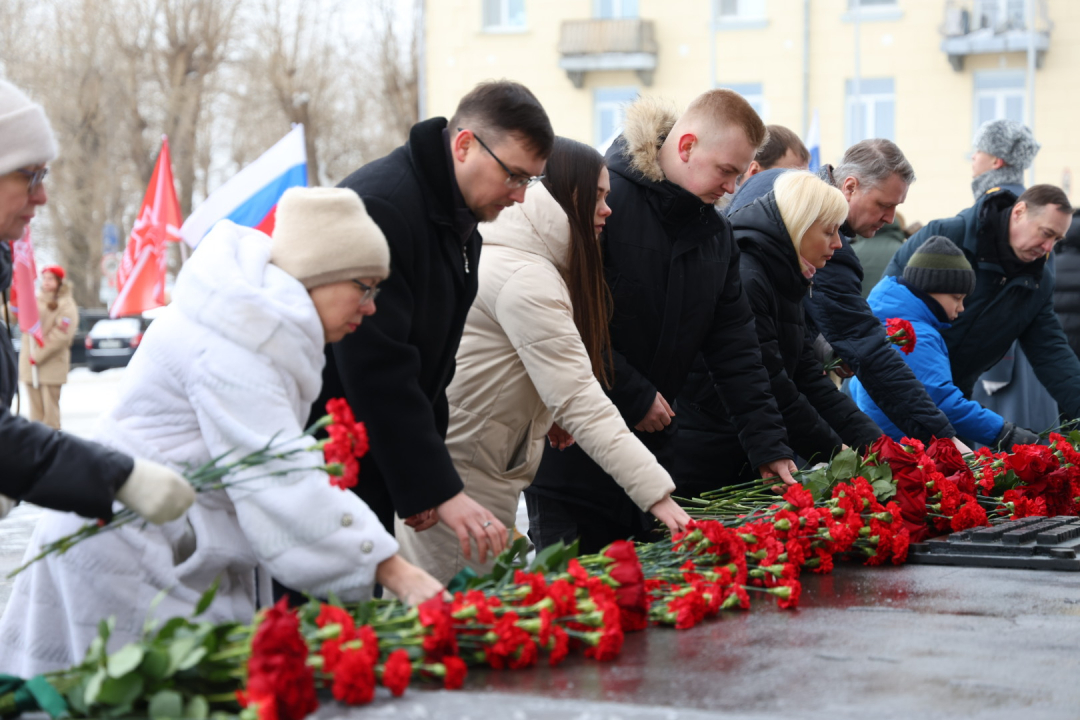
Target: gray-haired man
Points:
(874, 176)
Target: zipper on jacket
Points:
(465, 258)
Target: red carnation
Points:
(799, 497)
(440, 640)
(369, 642)
(510, 643)
(348, 441)
(564, 596)
(536, 583)
(332, 614)
(265, 705)
(277, 666)
(901, 334)
(900, 543)
(396, 672)
(689, 609)
(456, 670)
(354, 678)
(970, 515)
(560, 646)
(790, 598)
(1029, 462)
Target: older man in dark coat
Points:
(1009, 242)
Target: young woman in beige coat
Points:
(59, 320)
(532, 361)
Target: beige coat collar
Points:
(539, 226)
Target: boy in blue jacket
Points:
(930, 295)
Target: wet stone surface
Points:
(892, 642)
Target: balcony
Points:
(983, 27)
(599, 45)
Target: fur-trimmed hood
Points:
(648, 122)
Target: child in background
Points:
(930, 295)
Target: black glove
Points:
(1015, 435)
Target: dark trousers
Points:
(552, 520)
(706, 460)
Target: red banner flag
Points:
(23, 299)
(141, 275)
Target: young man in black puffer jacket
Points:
(673, 268)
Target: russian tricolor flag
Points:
(250, 197)
(813, 142)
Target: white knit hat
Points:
(325, 235)
(25, 136)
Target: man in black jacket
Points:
(874, 176)
(427, 197)
(38, 464)
(673, 269)
(1009, 241)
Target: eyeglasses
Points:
(34, 178)
(367, 292)
(513, 180)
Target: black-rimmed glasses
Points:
(34, 178)
(367, 292)
(513, 179)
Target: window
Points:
(609, 111)
(754, 95)
(999, 15)
(871, 113)
(608, 9)
(873, 10)
(999, 94)
(503, 15)
(739, 14)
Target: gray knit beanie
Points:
(325, 235)
(938, 266)
(25, 135)
(1009, 140)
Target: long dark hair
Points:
(572, 173)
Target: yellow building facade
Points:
(922, 72)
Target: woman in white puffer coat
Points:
(233, 362)
(532, 355)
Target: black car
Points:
(112, 342)
(87, 319)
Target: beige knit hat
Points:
(25, 135)
(324, 235)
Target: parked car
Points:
(87, 318)
(112, 342)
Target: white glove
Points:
(156, 492)
(6, 505)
